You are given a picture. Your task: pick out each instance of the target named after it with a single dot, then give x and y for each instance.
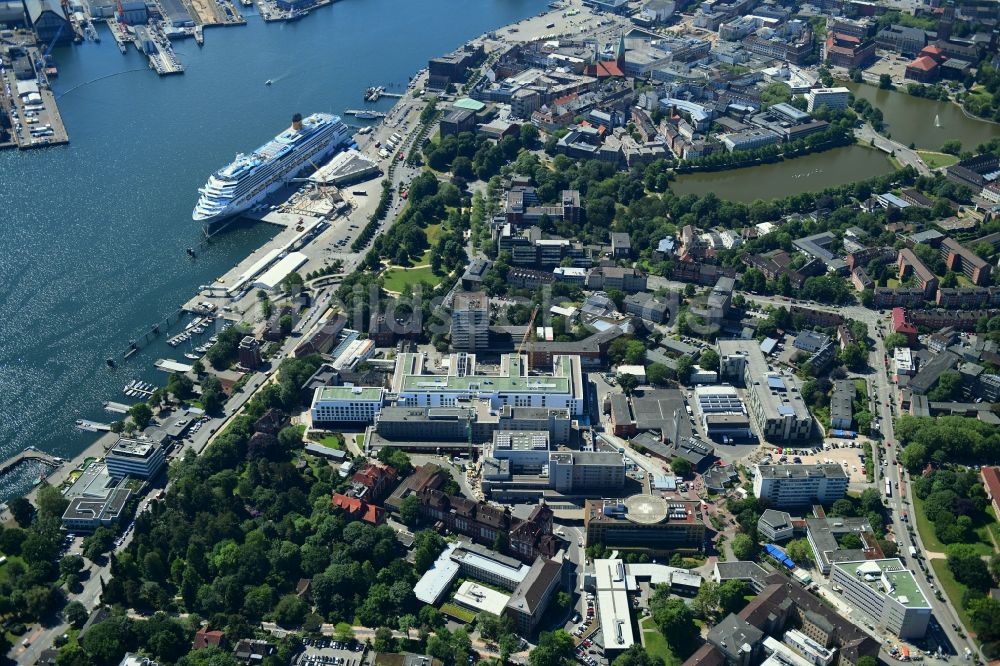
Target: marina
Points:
(138, 389)
(33, 454)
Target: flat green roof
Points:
(470, 104)
(350, 393)
(902, 581)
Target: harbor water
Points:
(95, 232)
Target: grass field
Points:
(397, 278)
(655, 644)
(930, 540)
(332, 442)
(952, 588)
(935, 159)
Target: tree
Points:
(854, 356)
(180, 385)
(709, 360)
(681, 467)
(867, 661)
(732, 596)
(637, 655)
(799, 551)
(70, 564)
(706, 602)
(409, 510)
(684, 367)
(894, 340)
(985, 616)
(743, 547)
(843, 508)
(343, 632)
(22, 511)
(98, 543)
(952, 147)
(50, 501)
(141, 414)
(968, 567)
(555, 648)
(658, 374)
(290, 611)
(885, 82)
(384, 642)
(285, 324)
(75, 614)
(675, 621)
(628, 382)
(850, 541)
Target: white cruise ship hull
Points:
(250, 179)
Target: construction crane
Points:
(529, 335)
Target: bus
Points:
(888, 488)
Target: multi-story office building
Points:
(722, 412)
(886, 591)
(749, 139)
(644, 521)
(586, 471)
(799, 485)
(832, 98)
(470, 321)
(527, 450)
(333, 404)
(135, 457)
(774, 400)
(510, 386)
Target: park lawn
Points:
(359, 440)
(954, 590)
(655, 644)
(930, 540)
(934, 159)
(397, 278)
(432, 231)
(332, 442)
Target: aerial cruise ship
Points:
(246, 181)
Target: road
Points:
(866, 134)
(878, 327)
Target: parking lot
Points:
(847, 454)
(328, 652)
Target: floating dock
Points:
(92, 426)
(116, 407)
(170, 365)
(366, 113)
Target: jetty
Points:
(116, 407)
(170, 365)
(30, 453)
(92, 426)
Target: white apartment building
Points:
(799, 485)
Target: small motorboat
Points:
(268, 82)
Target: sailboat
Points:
(937, 120)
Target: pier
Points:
(31, 453)
(92, 426)
(152, 333)
(365, 113)
(120, 34)
(116, 407)
(31, 107)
